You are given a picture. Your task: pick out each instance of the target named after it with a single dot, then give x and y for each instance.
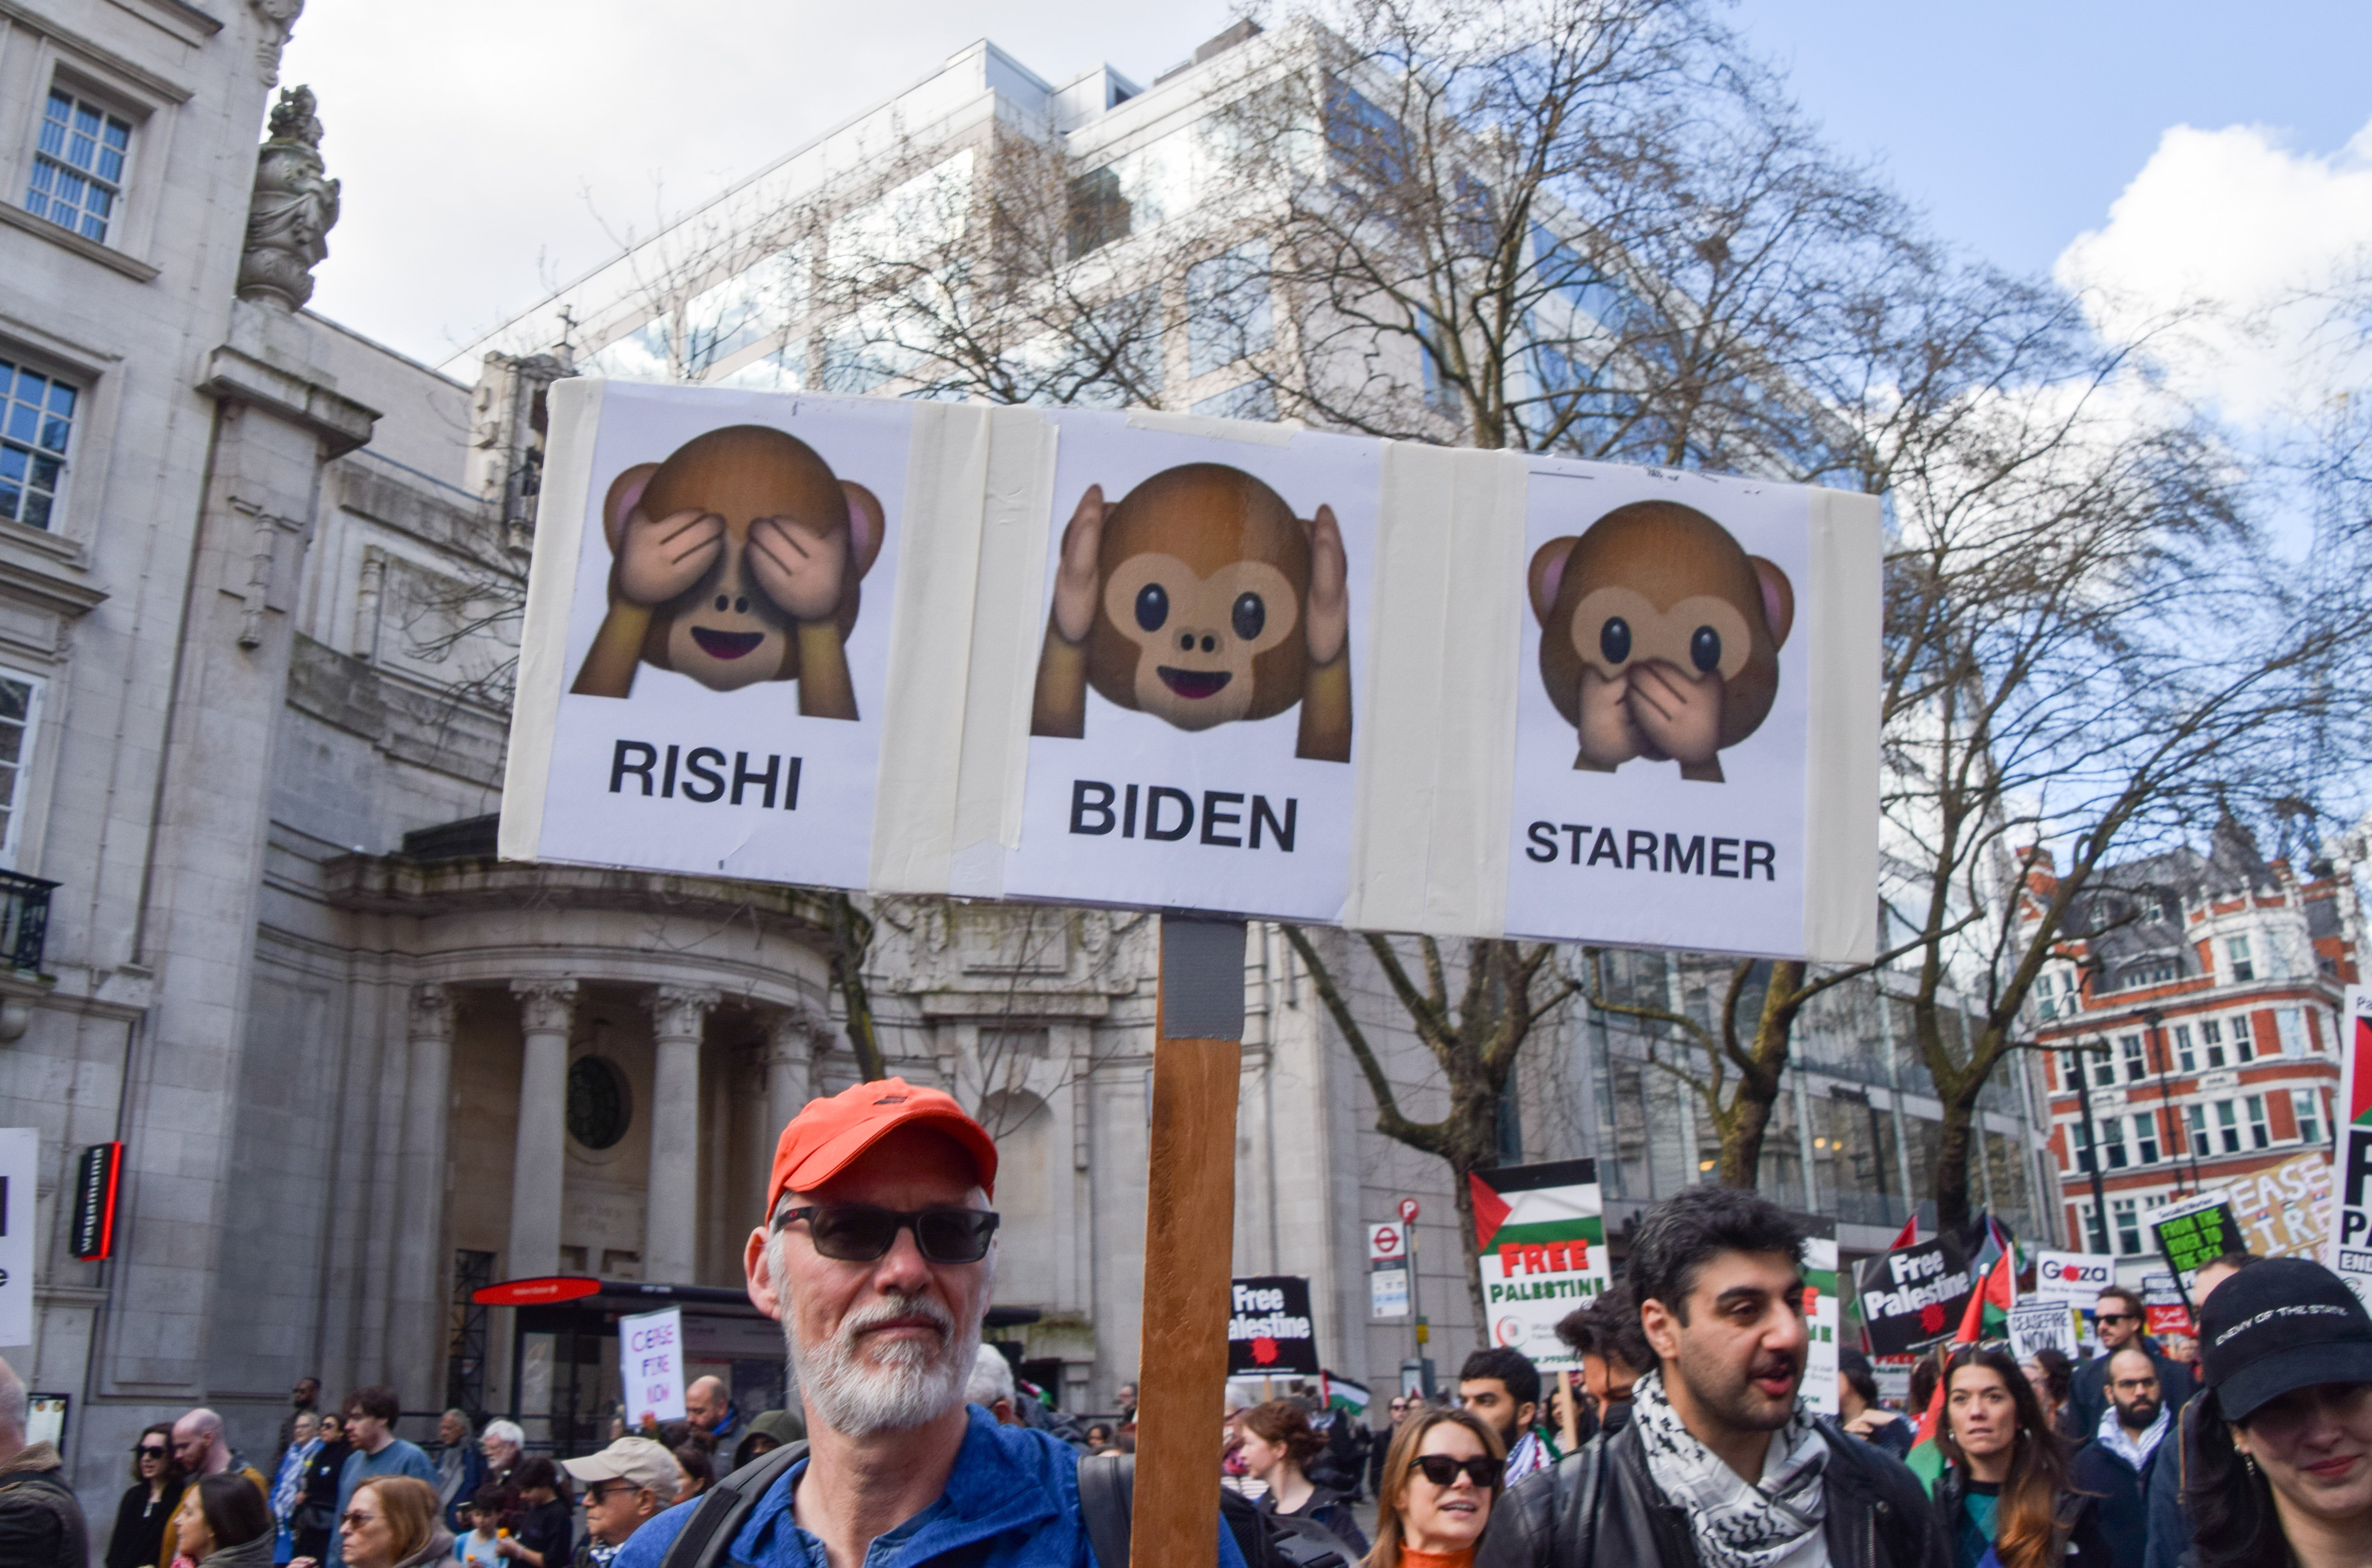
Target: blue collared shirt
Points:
(1012, 1501)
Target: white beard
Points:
(898, 1387)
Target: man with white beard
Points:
(877, 1256)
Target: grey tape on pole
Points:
(1202, 978)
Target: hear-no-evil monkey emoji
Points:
(736, 561)
(1659, 637)
(1201, 598)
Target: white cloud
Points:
(484, 142)
(2236, 224)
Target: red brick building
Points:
(2201, 993)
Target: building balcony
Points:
(24, 920)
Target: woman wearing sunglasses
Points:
(1443, 1474)
(155, 1492)
(391, 1522)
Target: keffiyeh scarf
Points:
(1735, 1525)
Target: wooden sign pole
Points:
(1189, 1213)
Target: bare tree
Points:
(1507, 989)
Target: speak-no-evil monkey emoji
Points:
(1659, 637)
(738, 560)
(1201, 598)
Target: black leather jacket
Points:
(1599, 1508)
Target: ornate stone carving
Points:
(292, 209)
(432, 1012)
(546, 1007)
(279, 19)
(678, 1012)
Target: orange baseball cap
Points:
(827, 1135)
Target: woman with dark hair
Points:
(223, 1520)
(2283, 1474)
(1277, 1443)
(2003, 1496)
(2054, 1376)
(699, 1471)
(155, 1492)
(1442, 1477)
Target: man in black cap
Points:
(2286, 1349)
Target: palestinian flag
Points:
(1926, 1456)
(1989, 1303)
(1342, 1394)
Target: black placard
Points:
(1269, 1329)
(1914, 1296)
(96, 1179)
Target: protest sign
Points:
(2078, 1277)
(1540, 1233)
(1269, 1328)
(650, 1361)
(2193, 1232)
(2165, 1307)
(21, 1150)
(2348, 1247)
(2284, 1212)
(1388, 1270)
(1914, 1296)
(2036, 1324)
(1125, 659)
(1820, 1314)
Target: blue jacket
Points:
(1012, 1502)
(2123, 1494)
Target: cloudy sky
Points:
(2164, 151)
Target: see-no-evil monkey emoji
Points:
(1659, 637)
(736, 561)
(1201, 598)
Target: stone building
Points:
(258, 588)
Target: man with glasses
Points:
(2117, 1464)
(626, 1485)
(878, 1256)
(2117, 1321)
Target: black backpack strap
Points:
(726, 1507)
(1106, 1497)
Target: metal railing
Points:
(24, 920)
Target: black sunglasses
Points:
(147, 1452)
(1442, 1471)
(860, 1233)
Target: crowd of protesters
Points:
(1683, 1442)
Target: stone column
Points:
(671, 1211)
(538, 1160)
(790, 1066)
(416, 1327)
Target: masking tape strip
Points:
(1841, 760)
(1008, 627)
(574, 417)
(918, 782)
(1279, 434)
(1481, 655)
(1400, 699)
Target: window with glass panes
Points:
(2244, 1038)
(2126, 1212)
(2186, 1055)
(2112, 1142)
(2093, 1228)
(36, 414)
(18, 697)
(2211, 1040)
(2228, 1125)
(2308, 1111)
(2261, 1132)
(2136, 1060)
(2243, 966)
(78, 168)
(2194, 1118)
(2146, 1138)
